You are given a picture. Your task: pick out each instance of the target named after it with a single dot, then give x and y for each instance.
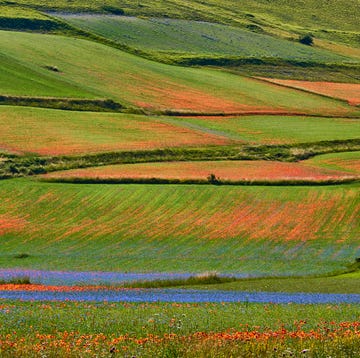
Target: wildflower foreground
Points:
(340, 340)
(80, 329)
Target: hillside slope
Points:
(134, 81)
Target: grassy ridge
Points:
(20, 18)
(179, 228)
(160, 87)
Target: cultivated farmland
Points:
(222, 170)
(159, 87)
(179, 227)
(188, 170)
(345, 91)
(275, 129)
(56, 132)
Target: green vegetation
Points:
(93, 105)
(171, 38)
(142, 319)
(16, 281)
(276, 16)
(349, 162)
(25, 19)
(160, 87)
(303, 230)
(329, 73)
(275, 129)
(337, 283)
(174, 330)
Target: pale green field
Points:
(175, 37)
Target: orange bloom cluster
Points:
(90, 343)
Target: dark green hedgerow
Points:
(217, 181)
(73, 104)
(15, 166)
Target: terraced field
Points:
(346, 91)
(159, 87)
(223, 170)
(179, 228)
(174, 37)
(54, 132)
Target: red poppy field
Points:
(183, 329)
(174, 227)
(349, 92)
(223, 170)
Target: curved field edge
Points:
(179, 228)
(211, 171)
(151, 85)
(347, 162)
(14, 166)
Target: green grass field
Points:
(303, 230)
(174, 37)
(275, 129)
(159, 87)
(55, 132)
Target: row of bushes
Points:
(94, 105)
(30, 165)
(211, 179)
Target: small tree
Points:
(306, 40)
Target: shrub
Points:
(306, 40)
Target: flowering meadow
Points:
(78, 329)
(178, 228)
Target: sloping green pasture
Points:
(334, 18)
(110, 73)
(19, 78)
(20, 18)
(176, 37)
(259, 230)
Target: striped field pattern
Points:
(179, 227)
